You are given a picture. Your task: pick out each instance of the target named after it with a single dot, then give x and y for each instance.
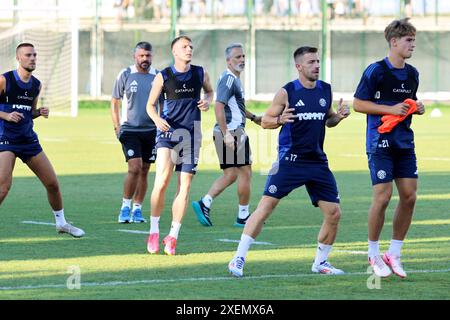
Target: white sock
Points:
(126, 203)
(154, 224)
(137, 206)
(243, 212)
(59, 217)
(207, 201)
(395, 247)
(175, 229)
(374, 249)
(244, 246)
(323, 250)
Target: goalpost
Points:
(54, 33)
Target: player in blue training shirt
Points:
(178, 137)
(303, 109)
(19, 92)
(384, 86)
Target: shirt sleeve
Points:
(368, 83)
(119, 85)
(225, 89)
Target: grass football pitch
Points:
(111, 260)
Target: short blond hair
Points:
(398, 29)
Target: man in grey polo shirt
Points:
(231, 141)
(134, 129)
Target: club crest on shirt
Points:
(322, 102)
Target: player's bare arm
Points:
(369, 107)
(42, 111)
(228, 139)
(2, 84)
(204, 103)
(13, 116)
(420, 107)
(256, 119)
(342, 112)
(279, 112)
(153, 97)
(115, 114)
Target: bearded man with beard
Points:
(231, 141)
(134, 129)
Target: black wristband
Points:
(37, 113)
(252, 118)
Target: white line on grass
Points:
(133, 231)
(38, 222)
(221, 240)
(158, 281)
(55, 140)
(350, 155)
(351, 251)
(237, 241)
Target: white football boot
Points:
(379, 267)
(70, 229)
(236, 267)
(395, 264)
(326, 268)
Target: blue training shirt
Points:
(18, 96)
(302, 140)
(182, 92)
(381, 83)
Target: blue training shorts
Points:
(186, 148)
(24, 151)
(316, 176)
(386, 166)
